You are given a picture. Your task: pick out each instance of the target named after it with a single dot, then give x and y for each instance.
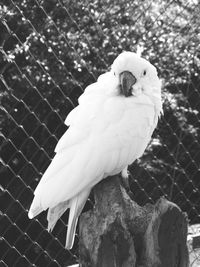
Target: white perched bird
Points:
(108, 130)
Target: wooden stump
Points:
(120, 233)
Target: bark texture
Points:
(120, 233)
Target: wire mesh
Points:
(50, 51)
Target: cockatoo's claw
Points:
(125, 174)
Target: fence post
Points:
(118, 232)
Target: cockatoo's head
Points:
(136, 75)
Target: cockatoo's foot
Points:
(125, 173)
(125, 181)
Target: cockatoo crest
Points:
(108, 130)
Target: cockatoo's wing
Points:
(112, 139)
(107, 132)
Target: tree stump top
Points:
(118, 232)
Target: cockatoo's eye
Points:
(144, 72)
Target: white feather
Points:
(55, 213)
(76, 206)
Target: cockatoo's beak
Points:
(127, 80)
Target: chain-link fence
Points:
(50, 51)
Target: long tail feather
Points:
(72, 222)
(55, 213)
(76, 206)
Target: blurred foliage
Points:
(51, 50)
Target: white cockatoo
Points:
(108, 130)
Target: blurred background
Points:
(49, 52)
